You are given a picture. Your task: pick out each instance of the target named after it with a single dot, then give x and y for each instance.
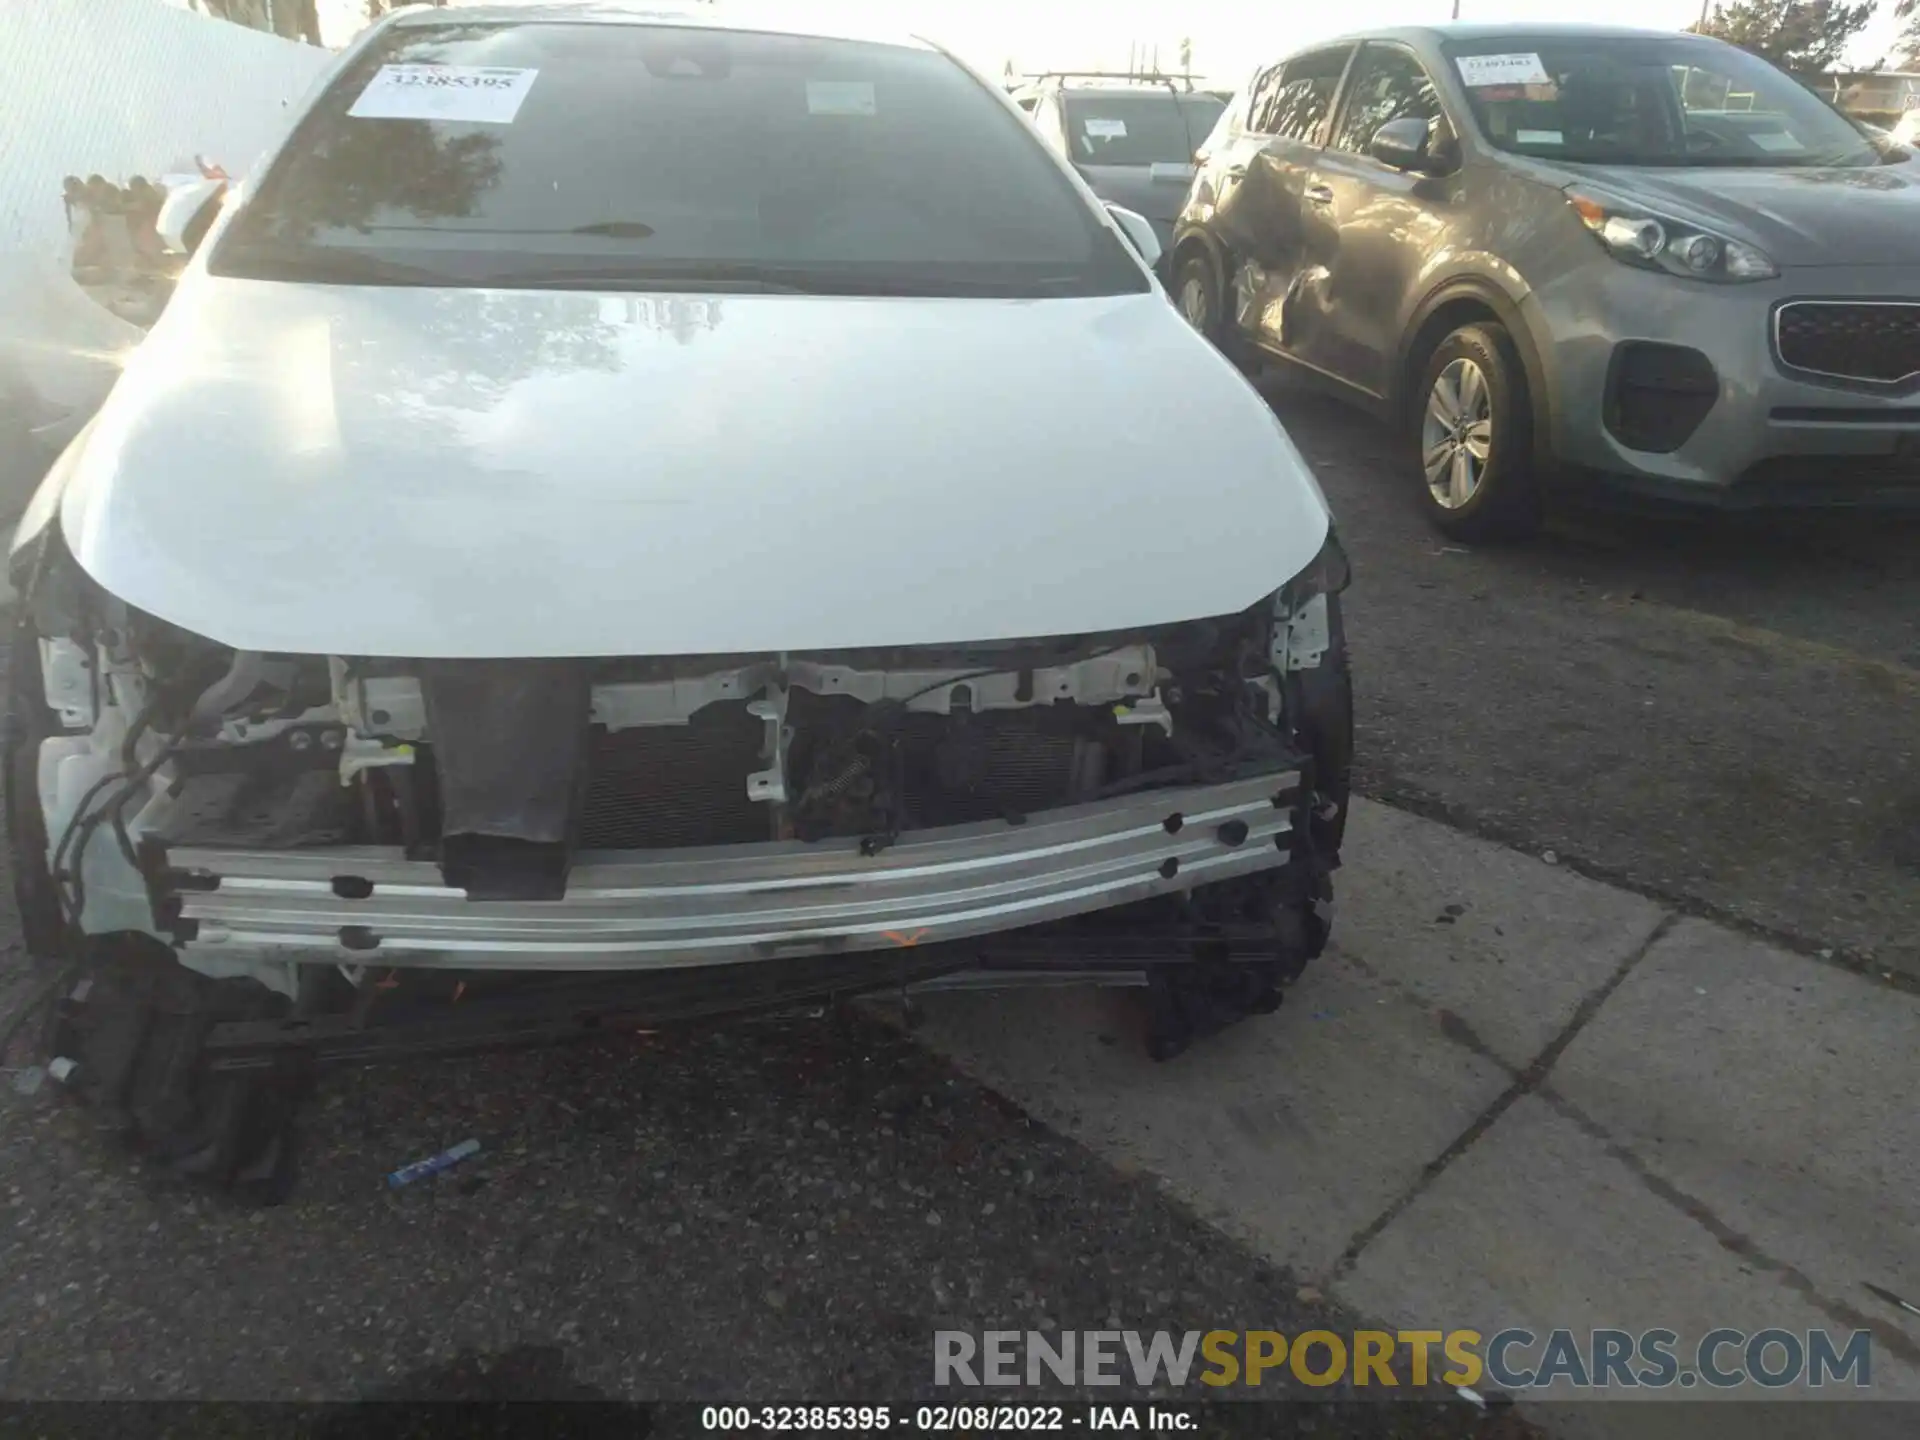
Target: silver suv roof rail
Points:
(1181, 84)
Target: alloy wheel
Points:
(1193, 300)
(1456, 433)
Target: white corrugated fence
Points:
(129, 87)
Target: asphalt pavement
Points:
(1719, 715)
(776, 1211)
(1720, 711)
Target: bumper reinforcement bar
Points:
(663, 909)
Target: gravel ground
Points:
(787, 1209)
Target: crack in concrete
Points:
(1532, 1080)
(1526, 1081)
(1889, 1337)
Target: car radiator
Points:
(662, 786)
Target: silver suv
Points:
(1132, 140)
(1549, 251)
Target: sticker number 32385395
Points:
(488, 95)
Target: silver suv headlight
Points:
(1638, 236)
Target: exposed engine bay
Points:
(505, 771)
(306, 834)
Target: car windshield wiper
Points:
(615, 229)
(780, 280)
(752, 278)
(314, 262)
(1844, 160)
(947, 287)
(1754, 162)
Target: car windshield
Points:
(1130, 128)
(617, 156)
(1649, 101)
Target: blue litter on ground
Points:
(433, 1164)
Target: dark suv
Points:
(1547, 250)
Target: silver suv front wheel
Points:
(1456, 433)
(1470, 426)
(1196, 294)
(1193, 300)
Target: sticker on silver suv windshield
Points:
(840, 97)
(1522, 68)
(479, 94)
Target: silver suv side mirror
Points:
(1402, 144)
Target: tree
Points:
(357, 170)
(1794, 34)
(295, 19)
(377, 8)
(301, 20)
(1908, 54)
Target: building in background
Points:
(1880, 97)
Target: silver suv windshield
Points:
(1649, 101)
(597, 155)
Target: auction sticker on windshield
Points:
(1518, 69)
(840, 97)
(482, 94)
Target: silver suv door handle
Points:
(1319, 194)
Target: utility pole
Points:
(1456, 9)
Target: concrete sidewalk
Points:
(1511, 1096)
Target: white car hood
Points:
(475, 473)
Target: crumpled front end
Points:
(1131, 801)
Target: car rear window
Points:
(523, 153)
(1136, 129)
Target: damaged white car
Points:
(631, 516)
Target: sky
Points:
(1230, 37)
